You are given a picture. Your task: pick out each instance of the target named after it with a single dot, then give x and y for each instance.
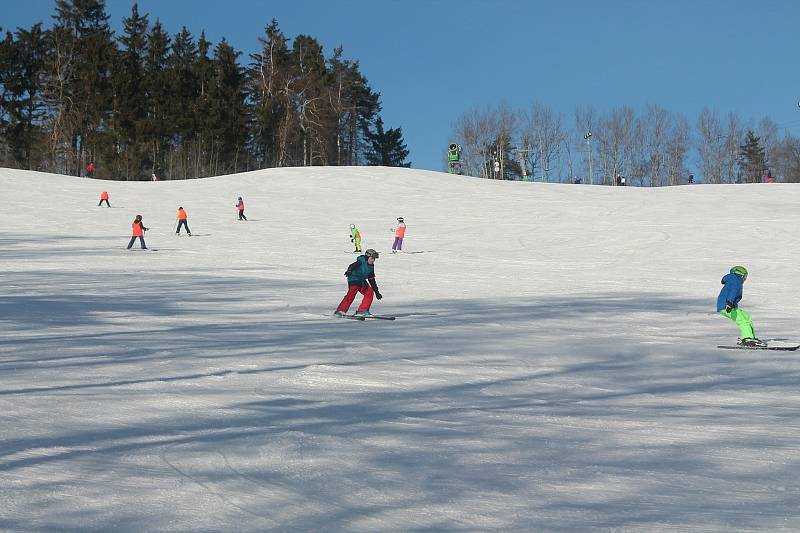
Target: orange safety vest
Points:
(240, 205)
(104, 195)
(137, 229)
(182, 214)
(401, 231)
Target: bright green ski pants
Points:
(743, 320)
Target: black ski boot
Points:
(752, 341)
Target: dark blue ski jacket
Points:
(732, 285)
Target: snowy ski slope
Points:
(553, 366)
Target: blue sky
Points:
(432, 60)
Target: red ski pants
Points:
(366, 290)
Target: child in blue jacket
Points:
(728, 305)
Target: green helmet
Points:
(742, 271)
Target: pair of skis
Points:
(771, 345)
(362, 318)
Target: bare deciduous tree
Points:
(655, 125)
(584, 125)
(786, 158)
(676, 148)
(614, 136)
(711, 147)
(542, 137)
(734, 137)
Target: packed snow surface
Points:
(553, 366)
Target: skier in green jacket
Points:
(355, 238)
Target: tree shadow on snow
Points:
(549, 413)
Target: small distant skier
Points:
(153, 177)
(104, 198)
(138, 231)
(90, 170)
(355, 238)
(240, 207)
(728, 306)
(360, 278)
(399, 233)
(182, 217)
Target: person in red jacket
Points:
(138, 231)
(104, 198)
(182, 217)
(240, 207)
(90, 170)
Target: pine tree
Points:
(203, 74)
(130, 99)
(22, 68)
(314, 114)
(185, 92)
(80, 72)
(752, 159)
(269, 75)
(227, 113)
(386, 147)
(6, 98)
(353, 105)
(158, 129)
(183, 83)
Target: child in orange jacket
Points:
(138, 231)
(182, 217)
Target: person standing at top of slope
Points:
(360, 278)
(355, 237)
(399, 234)
(728, 305)
(138, 231)
(182, 221)
(240, 207)
(104, 198)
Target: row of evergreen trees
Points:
(179, 106)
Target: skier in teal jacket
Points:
(360, 278)
(728, 305)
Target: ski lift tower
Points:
(454, 159)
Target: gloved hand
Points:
(728, 307)
(378, 295)
(351, 239)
